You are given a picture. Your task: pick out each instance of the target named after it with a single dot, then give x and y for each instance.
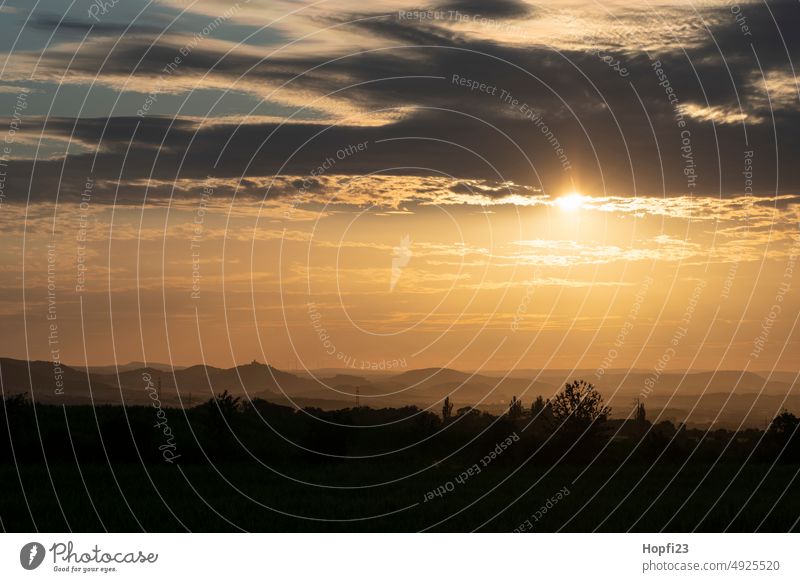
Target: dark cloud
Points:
(73, 27)
(493, 8)
(619, 134)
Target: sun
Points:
(571, 202)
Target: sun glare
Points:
(571, 202)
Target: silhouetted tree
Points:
(447, 409)
(666, 428)
(579, 408)
(783, 436)
(541, 415)
(226, 403)
(222, 415)
(785, 424)
(16, 403)
(514, 408)
(537, 406)
(641, 414)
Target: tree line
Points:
(572, 427)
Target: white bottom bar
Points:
(401, 557)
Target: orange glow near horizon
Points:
(433, 281)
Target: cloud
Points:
(66, 26)
(494, 9)
(717, 114)
(390, 83)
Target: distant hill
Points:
(633, 384)
(112, 369)
(77, 386)
(462, 387)
(430, 376)
(702, 398)
(130, 386)
(202, 381)
(342, 379)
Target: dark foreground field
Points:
(200, 499)
(228, 465)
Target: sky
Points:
(391, 186)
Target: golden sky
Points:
(465, 184)
(374, 271)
